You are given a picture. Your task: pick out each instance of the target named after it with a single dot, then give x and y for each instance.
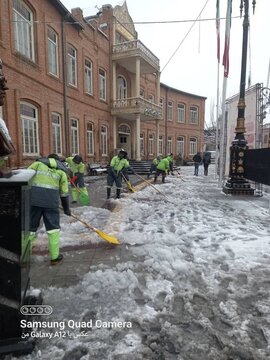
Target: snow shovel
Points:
(109, 238)
(130, 188)
(148, 182)
(83, 198)
(179, 175)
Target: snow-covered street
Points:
(194, 282)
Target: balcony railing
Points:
(137, 105)
(134, 45)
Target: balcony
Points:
(129, 108)
(126, 53)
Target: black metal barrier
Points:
(257, 165)
(14, 258)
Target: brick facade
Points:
(30, 82)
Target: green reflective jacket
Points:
(163, 164)
(75, 168)
(48, 184)
(119, 164)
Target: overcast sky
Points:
(194, 66)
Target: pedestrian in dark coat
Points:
(206, 162)
(197, 161)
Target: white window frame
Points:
(88, 76)
(181, 112)
(72, 65)
(121, 87)
(194, 114)
(29, 123)
(151, 98)
(104, 140)
(193, 146)
(142, 143)
(169, 145)
(53, 63)
(151, 144)
(160, 145)
(74, 127)
(56, 133)
(170, 111)
(161, 103)
(23, 29)
(102, 75)
(90, 138)
(180, 145)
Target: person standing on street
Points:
(170, 159)
(77, 168)
(153, 167)
(118, 164)
(206, 162)
(49, 182)
(162, 168)
(197, 161)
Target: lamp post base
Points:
(238, 187)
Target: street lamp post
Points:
(236, 184)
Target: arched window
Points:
(160, 145)
(193, 146)
(124, 129)
(56, 134)
(23, 29)
(194, 115)
(121, 87)
(181, 113)
(88, 76)
(104, 141)
(90, 138)
(180, 146)
(72, 65)
(29, 123)
(52, 39)
(74, 136)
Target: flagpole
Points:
(217, 122)
(222, 133)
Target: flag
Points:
(218, 30)
(225, 61)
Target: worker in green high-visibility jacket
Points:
(77, 168)
(49, 182)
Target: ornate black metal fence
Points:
(257, 165)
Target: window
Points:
(104, 145)
(142, 144)
(150, 144)
(121, 88)
(90, 138)
(56, 133)
(52, 51)
(102, 84)
(181, 113)
(170, 145)
(180, 146)
(88, 77)
(192, 146)
(151, 98)
(160, 145)
(23, 29)
(161, 105)
(170, 110)
(72, 65)
(74, 136)
(29, 121)
(194, 115)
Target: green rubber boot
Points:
(54, 240)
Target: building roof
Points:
(64, 11)
(181, 92)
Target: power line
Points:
(123, 23)
(194, 22)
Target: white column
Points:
(114, 80)
(114, 133)
(157, 134)
(138, 131)
(138, 76)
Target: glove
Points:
(65, 204)
(73, 179)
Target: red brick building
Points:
(89, 86)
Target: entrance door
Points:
(124, 138)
